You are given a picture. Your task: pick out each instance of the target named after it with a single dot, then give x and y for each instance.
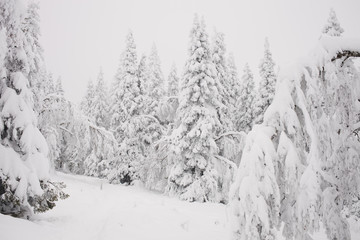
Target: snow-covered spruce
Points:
(309, 136)
(235, 86)
(134, 128)
(155, 87)
(195, 175)
(25, 186)
(332, 27)
(267, 84)
(100, 106)
(244, 114)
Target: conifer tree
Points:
(193, 176)
(126, 99)
(173, 82)
(332, 27)
(169, 104)
(101, 106)
(235, 85)
(24, 166)
(34, 52)
(143, 75)
(245, 104)
(226, 93)
(128, 123)
(218, 56)
(88, 100)
(156, 89)
(267, 84)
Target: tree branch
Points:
(347, 54)
(243, 134)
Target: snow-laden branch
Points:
(347, 54)
(227, 161)
(242, 134)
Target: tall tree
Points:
(128, 122)
(234, 81)
(267, 84)
(173, 82)
(34, 52)
(332, 26)
(226, 93)
(156, 89)
(193, 176)
(24, 166)
(101, 105)
(126, 97)
(88, 101)
(245, 104)
(143, 75)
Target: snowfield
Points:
(98, 210)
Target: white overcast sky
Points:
(80, 36)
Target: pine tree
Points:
(245, 104)
(126, 122)
(235, 84)
(332, 27)
(267, 84)
(193, 176)
(88, 101)
(169, 104)
(143, 75)
(126, 96)
(226, 93)
(54, 115)
(100, 105)
(24, 167)
(218, 56)
(34, 52)
(173, 82)
(156, 89)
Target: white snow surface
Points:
(97, 210)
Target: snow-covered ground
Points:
(96, 210)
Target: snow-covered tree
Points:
(245, 104)
(310, 129)
(169, 103)
(126, 99)
(100, 105)
(143, 75)
(24, 166)
(255, 194)
(194, 175)
(173, 82)
(267, 84)
(226, 93)
(156, 88)
(218, 56)
(234, 81)
(88, 101)
(34, 52)
(332, 27)
(133, 130)
(53, 115)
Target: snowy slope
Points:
(97, 210)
